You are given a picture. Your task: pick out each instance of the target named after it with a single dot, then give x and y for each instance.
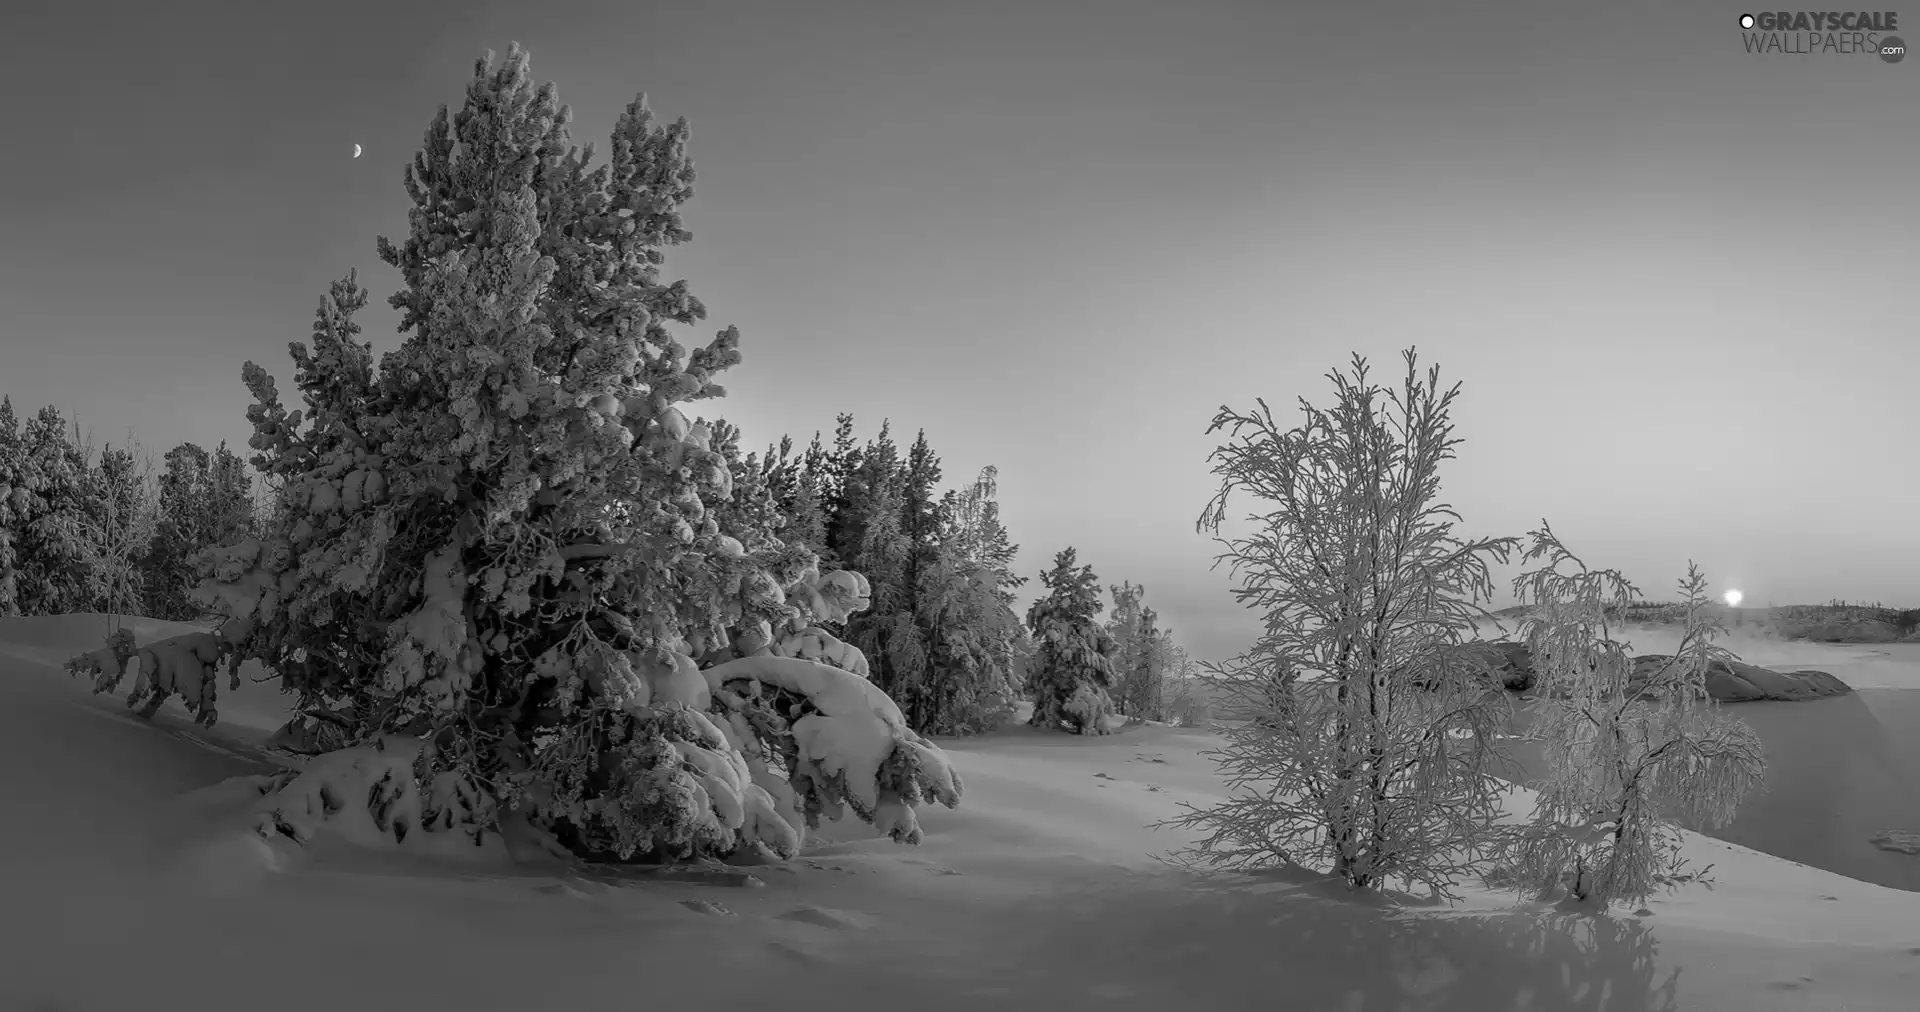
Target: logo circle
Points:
(1746, 21)
(1892, 49)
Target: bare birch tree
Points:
(1626, 749)
(1362, 742)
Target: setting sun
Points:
(1733, 598)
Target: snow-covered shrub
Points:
(1072, 665)
(1621, 757)
(185, 665)
(1362, 743)
(501, 540)
(106, 666)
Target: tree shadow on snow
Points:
(1309, 946)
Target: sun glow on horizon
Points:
(1733, 598)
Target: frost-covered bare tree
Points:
(1187, 689)
(1360, 744)
(1627, 745)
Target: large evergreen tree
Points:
(1071, 671)
(500, 539)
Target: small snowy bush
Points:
(1622, 755)
(501, 541)
(1362, 744)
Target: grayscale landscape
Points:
(1114, 506)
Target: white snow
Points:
(133, 878)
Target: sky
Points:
(1676, 279)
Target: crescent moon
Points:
(356, 151)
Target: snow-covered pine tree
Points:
(1142, 651)
(1362, 743)
(231, 503)
(1625, 750)
(1070, 674)
(838, 469)
(201, 500)
(794, 483)
(942, 635)
(871, 537)
(974, 637)
(976, 533)
(52, 575)
(16, 498)
(751, 515)
(921, 511)
(182, 511)
(496, 563)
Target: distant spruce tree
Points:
(1143, 655)
(52, 574)
(977, 641)
(941, 635)
(1070, 675)
(795, 483)
(870, 536)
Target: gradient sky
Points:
(1677, 279)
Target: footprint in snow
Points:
(1103, 776)
(706, 907)
(793, 951)
(821, 917)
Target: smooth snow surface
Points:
(131, 882)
